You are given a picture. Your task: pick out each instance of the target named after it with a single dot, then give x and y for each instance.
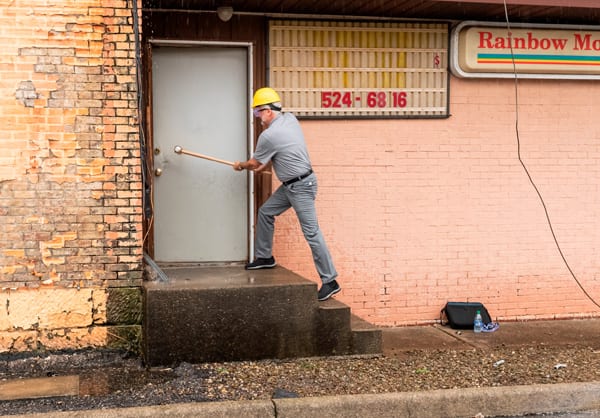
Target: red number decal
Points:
(336, 99)
(399, 99)
(375, 99)
(326, 99)
(347, 99)
(372, 99)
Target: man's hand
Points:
(251, 164)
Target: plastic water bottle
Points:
(478, 323)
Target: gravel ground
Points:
(110, 379)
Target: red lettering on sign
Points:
(582, 43)
(559, 43)
(585, 43)
(487, 40)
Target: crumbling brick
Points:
(59, 165)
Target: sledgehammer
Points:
(179, 150)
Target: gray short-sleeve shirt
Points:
(283, 144)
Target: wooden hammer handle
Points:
(206, 157)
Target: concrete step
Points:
(205, 314)
(366, 337)
(334, 335)
(341, 332)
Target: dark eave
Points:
(578, 12)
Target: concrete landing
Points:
(205, 314)
(217, 277)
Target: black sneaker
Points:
(261, 263)
(328, 290)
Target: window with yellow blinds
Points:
(360, 69)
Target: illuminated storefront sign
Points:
(533, 51)
(360, 69)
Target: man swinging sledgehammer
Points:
(282, 143)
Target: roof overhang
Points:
(586, 12)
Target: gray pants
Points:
(301, 196)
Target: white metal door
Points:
(200, 102)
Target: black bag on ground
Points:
(460, 315)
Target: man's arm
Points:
(251, 164)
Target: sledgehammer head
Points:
(177, 149)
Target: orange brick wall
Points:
(420, 212)
(70, 182)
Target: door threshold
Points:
(172, 264)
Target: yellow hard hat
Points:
(265, 95)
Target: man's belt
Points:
(295, 179)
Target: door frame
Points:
(249, 129)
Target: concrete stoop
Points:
(209, 314)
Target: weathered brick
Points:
(52, 210)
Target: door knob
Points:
(157, 172)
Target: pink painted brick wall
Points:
(420, 212)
